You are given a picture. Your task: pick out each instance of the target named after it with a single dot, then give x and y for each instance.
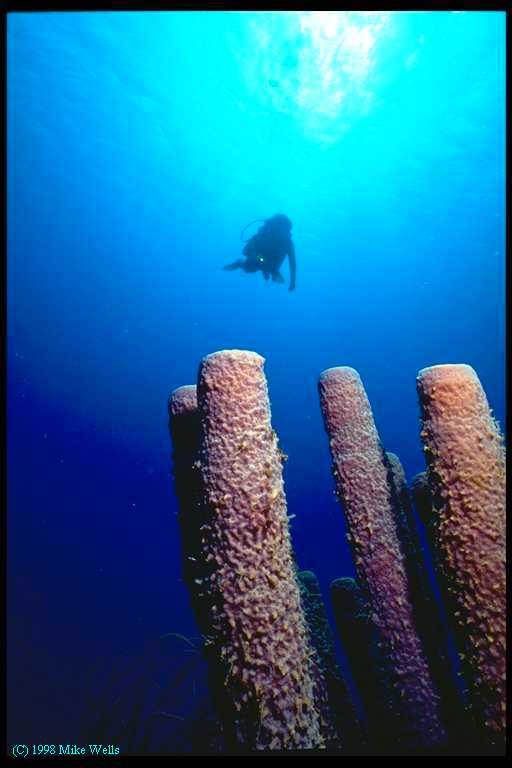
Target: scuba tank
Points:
(254, 221)
(279, 221)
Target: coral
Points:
(466, 472)
(258, 624)
(362, 484)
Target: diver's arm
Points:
(293, 265)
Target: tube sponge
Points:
(361, 643)
(420, 491)
(184, 429)
(362, 484)
(183, 400)
(258, 620)
(429, 619)
(340, 707)
(192, 513)
(466, 463)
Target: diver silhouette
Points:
(267, 249)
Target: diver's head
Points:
(281, 222)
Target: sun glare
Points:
(316, 66)
(335, 53)
(339, 54)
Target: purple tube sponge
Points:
(258, 621)
(362, 485)
(466, 463)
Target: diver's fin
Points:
(235, 265)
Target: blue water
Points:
(139, 145)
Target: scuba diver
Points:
(267, 249)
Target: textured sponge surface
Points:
(362, 484)
(466, 461)
(258, 619)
